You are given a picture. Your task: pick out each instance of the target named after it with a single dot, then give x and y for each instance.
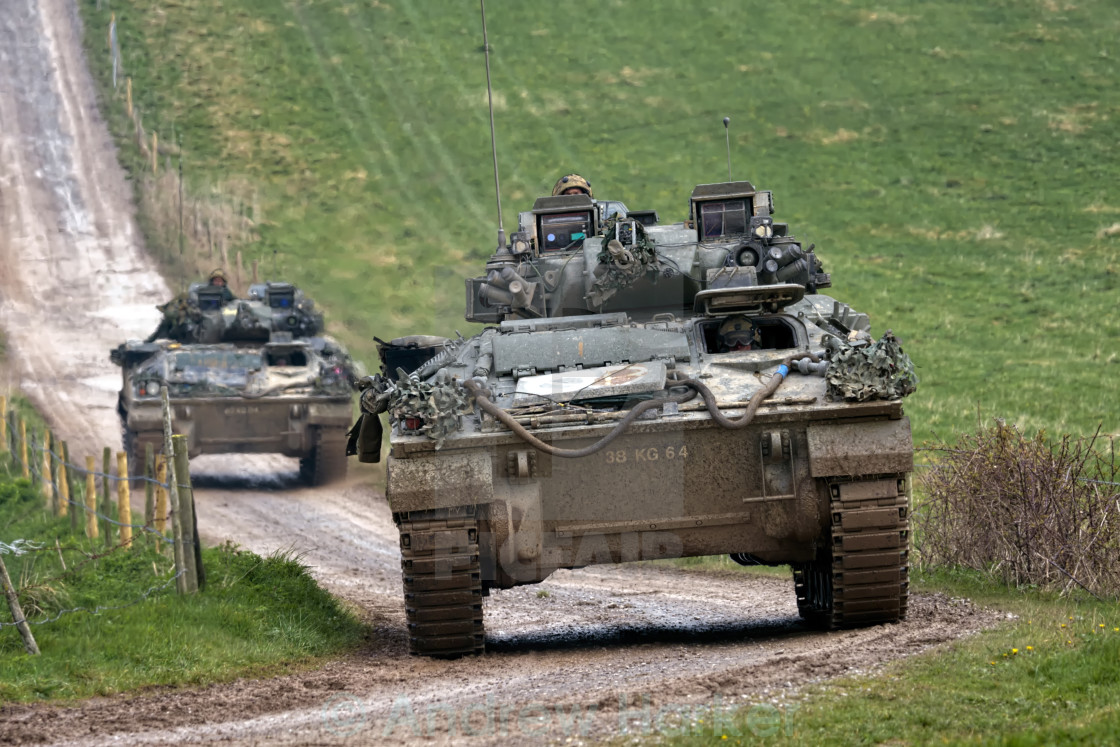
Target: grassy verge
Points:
(115, 622)
(1049, 675)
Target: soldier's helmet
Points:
(218, 273)
(736, 332)
(572, 180)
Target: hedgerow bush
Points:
(1028, 510)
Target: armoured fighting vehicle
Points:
(253, 375)
(647, 391)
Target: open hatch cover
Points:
(755, 299)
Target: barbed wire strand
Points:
(21, 547)
(33, 467)
(142, 527)
(96, 473)
(99, 608)
(71, 570)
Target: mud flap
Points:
(364, 439)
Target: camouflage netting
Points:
(622, 267)
(858, 373)
(180, 319)
(439, 405)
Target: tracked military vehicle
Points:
(647, 391)
(253, 375)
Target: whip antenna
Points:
(493, 139)
(727, 132)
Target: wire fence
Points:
(97, 610)
(86, 494)
(191, 229)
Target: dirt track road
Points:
(622, 646)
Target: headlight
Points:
(148, 389)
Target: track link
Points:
(862, 577)
(442, 581)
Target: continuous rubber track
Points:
(442, 581)
(863, 577)
(327, 461)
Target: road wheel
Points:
(813, 584)
(327, 461)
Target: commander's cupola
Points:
(731, 211)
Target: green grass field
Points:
(951, 160)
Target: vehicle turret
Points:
(210, 314)
(571, 256)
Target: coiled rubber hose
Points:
(752, 407)
(482, 397)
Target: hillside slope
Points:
(951, 160)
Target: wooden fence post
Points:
(17, 612)
(33, 465)
(124, 500)
(71, 487)
(91, 498)
(160, 521)
(26, 472)
(3, 423)
(106, 502)
(149, 489)
(191, 549)
(48, 477)
(173, 495)
(62, 476)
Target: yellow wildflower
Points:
(1030, 648)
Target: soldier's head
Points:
(218, 278)
(572, 184)
(736, 333)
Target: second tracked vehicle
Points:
(254, 375)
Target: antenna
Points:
(180, 135)
(727, 132)
(493, 139)
(180, 196)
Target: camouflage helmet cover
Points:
(218, 273)
(736, 330)
(572, 180)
